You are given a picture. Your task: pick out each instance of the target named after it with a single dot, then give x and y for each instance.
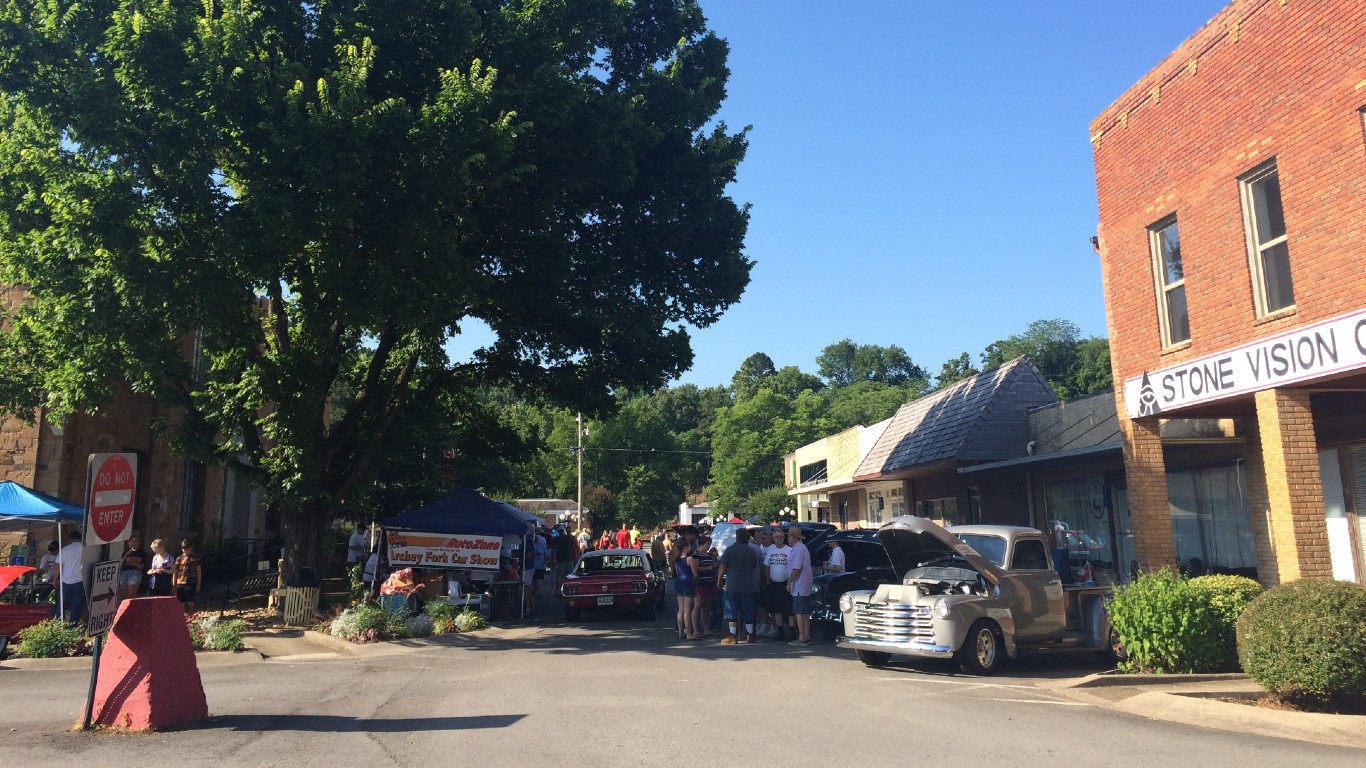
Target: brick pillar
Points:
(1154, 543)
(1294, 490)
(1258, 505)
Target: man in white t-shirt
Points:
(357, 547)
(71, 572)
(776, 598)
(835, 564)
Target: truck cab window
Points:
(1030, 556)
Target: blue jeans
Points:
(740, 604)
(73, 600)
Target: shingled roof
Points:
(981, 418)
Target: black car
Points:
(865, 566)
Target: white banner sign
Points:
(1311, 352)
(443, 550)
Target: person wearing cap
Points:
(799, 586)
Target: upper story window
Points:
(1170, 277)
(1268, 251)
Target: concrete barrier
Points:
(148, 676)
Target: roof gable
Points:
(981, 418)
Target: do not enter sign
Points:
(109, 500)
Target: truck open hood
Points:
(913, 541)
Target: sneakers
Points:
(729, 640)
(799, 643)
(746, 638)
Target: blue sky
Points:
(920, 172)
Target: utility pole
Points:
(578, 453)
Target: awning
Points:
(465, 512)
(22, 508)
(1046, 458)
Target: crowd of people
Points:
(764, 578)
(157, 575)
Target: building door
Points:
(1357, 460)
(1340, 545)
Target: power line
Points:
(662, 450)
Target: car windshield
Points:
(858, 555)
(992, 548)
(612, 563)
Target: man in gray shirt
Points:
(739, 570)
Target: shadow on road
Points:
(339, 724)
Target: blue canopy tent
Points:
(22, 508)
(469, 513)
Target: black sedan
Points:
(865, 566)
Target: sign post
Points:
(111, 484)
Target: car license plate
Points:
(605, 600)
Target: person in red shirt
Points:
(623, 538)
(606, 541)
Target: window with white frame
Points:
(1268, 251)
(1170, 277)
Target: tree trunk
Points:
(305, 529)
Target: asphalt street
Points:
(625, 693)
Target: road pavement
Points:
(624, 693)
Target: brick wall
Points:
(1261, 80)
(1294, 490)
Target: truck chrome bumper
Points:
(923, 650)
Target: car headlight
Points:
(942, 608)
(816, 589)
(846, 603)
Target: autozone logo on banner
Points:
(442, 550)
(1312, 352)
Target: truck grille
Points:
(893, 622)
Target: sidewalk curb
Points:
(1108, 680)
(336, 644)
(202, 659)
(1197, 711)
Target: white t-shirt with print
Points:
(775, 557)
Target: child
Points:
(188, 575)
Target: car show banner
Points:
(443, 550)
(1326, 348)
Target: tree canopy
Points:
(275, 216)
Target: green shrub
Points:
(50, 639)
(360, 623)
(1306, 642)
(1224, 598)
(470, 621)
(1165, 627)
(210, 633)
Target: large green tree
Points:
(327, 193)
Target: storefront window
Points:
(941, 511)
(1210, 521)
(1079, 521)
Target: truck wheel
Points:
(1113, 652)
(571, 615)
(873, 658)
(981, 653)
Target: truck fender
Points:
(1006, 621)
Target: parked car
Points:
(813, 534)
(865, 567)
(978, 594)
(611, 580)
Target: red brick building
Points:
(1232, 191)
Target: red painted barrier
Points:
(148, 676)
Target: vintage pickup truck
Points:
(973, 593)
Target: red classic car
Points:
(613, 579)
